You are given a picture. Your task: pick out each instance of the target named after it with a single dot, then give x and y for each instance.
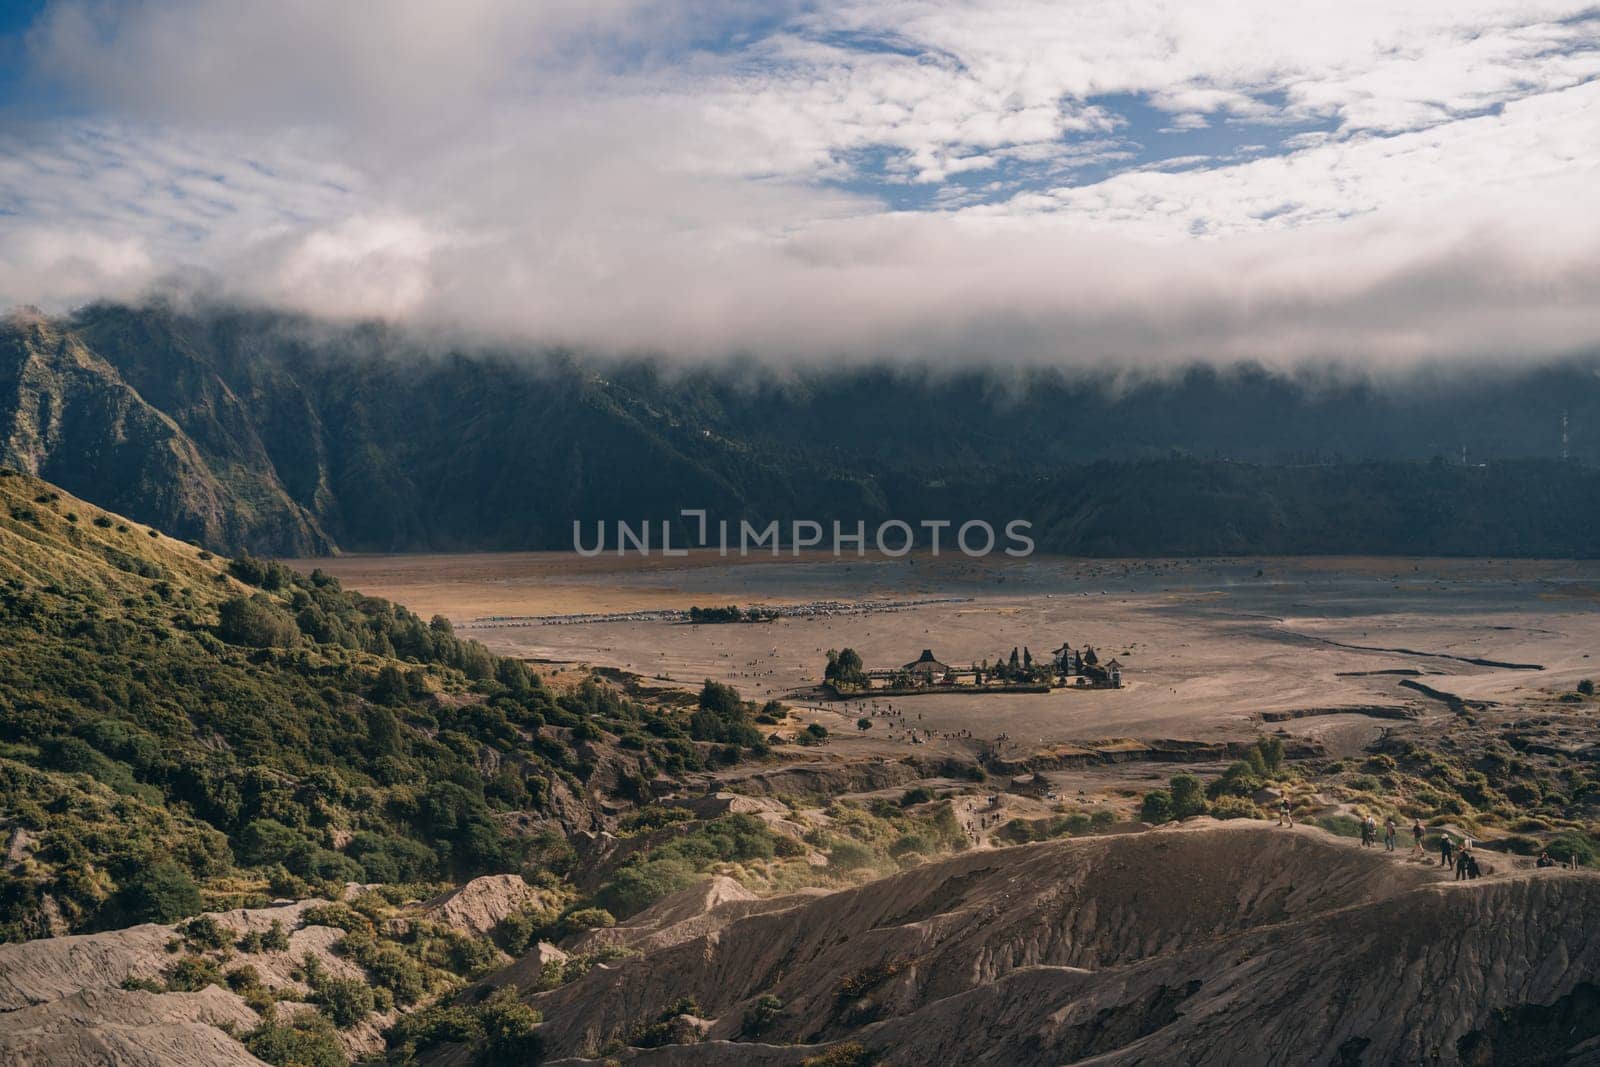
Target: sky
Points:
(1036, 181)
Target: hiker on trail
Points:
(1416, 837)
(1285, 814)
(1472, 865)
(1463, 862)
(1447, 850)
(1369, 831)
(1389, 829)
(1545, 860)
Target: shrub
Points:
(191, 974)
(849, 856)
(1572, 844)
(1235, 808)
(308, 1040)
(142, 985)
(1157, 807)
(1586, 687)
(1241, 779)
(204, 932)
(510, 1031)
(255, 622)
(760, 1016)
(389, 966)
(848, 1054)
(242, 978)
(588, 919)
(345, 1001)
(161, 893)
(276, 939)
(1188, 796)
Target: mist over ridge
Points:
(283, 434)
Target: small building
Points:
(1114, 674)
(925, 669)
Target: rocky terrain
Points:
(248, 816)
(1189, 945)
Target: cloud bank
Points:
(930, 179)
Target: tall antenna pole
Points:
(1564, 452)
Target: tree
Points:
(845, 669)
(256, 623)
(863, 724)
(390, 687)
(1188, 796)
(160, 893)
(1586, 687)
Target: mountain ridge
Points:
(252, 430)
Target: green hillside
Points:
(175, 725)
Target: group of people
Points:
(1461, 856)
(1391, 832)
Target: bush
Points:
(510, 1031)
(256, 622)
(1235, 808)
(309, 1040)
(848, 1054)
(1572, 844)
(849, 856)
(387, 965)
(161, 893)
(276, 939)
(243, 978)
(1586, 687)
(1188, 796)
(191, 974)
(142, 985)
(760, 1016)
(1157, 807)
(204, 932)
(344, 1001)
(1241, 779)
(588, 919)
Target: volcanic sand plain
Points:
(1207, 645)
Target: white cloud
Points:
(636, 175)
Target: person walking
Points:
(1416, 837)
(1369, 828)
(1285, 813)
(1463, 862)
(1389, 830)
(1447, 850)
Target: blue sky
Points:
(1033, 179)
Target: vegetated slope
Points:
(179, 729)
(68, 416)
(263, 431)
(1211, 944)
